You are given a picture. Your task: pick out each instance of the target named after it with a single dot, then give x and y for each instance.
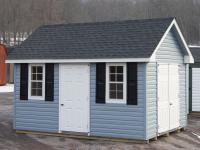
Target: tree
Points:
(21, 17)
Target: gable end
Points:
(173, 39)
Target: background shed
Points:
(6, 70)
(194, 96)
(3, 66)
(10, 69)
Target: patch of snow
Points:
(7, 88)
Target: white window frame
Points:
(43, 83)
(118, 101)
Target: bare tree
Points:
(22, 17)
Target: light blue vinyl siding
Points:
(151, 100)
(170, 50)
(36, 115)
(118, 120)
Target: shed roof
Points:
(118, 39)
(196, 53)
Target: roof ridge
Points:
(105, 22)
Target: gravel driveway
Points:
(9, 140)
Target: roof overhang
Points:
(194, 46)
(78, 60)
(187, 58)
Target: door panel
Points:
(168, 97)
(74, 98)
(163, 96)
(174, 96)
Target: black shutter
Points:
(49, 82)
(23, 81)
(100, 82)
(132, 83)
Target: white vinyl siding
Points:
(196, 89)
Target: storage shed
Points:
(122, 79)
(10, 69)
(3, 65)
(194, 102)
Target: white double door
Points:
(168, 97)
(74, 97)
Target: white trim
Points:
(188, 59)
(89, 100)
(79, 60)
(43, 83)
(187, 87)
(59, 101)
(117, 101)
(191, 59)
(194, 46)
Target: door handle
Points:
(62, 104)
(170, 103)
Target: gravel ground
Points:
(9, 140)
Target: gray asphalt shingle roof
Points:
(196, 53)
(119, 39)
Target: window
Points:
(116, 83)
(36, 81)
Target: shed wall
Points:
(3, 66)
(119, 120)
(170, 51)
(36, 115)
(151, 100)
(184, 82)
(195, 105)
(193, 92)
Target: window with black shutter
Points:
(116, 83)
(37, 81)
(100, 82)
(23, 81)
(49, 82)
(132, 83)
